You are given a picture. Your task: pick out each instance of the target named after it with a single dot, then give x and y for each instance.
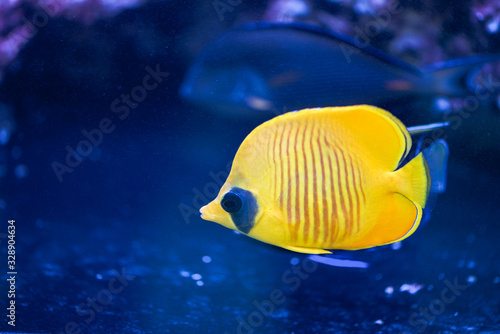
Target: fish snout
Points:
(204, 212)
(213, 212)
(209, 212)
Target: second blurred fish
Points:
(274, 67)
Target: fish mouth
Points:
(206, 214)
(203, 212)
(209, 213)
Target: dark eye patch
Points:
(241, 204)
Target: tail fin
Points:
(436, 157)
(456, 77)
(436, 154)
(419, 182)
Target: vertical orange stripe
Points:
(350, 199)
(361, 184)
(273, 144)
(342, 195)
(334, 218)
(295, 203)
(325, 223)
(306, 180)
(316, 221)
(282, 186)
(356, 186)
(288, 182)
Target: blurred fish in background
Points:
(300, 57)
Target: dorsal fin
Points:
(380, 134)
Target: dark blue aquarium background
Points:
(104, 165)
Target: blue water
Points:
(111, 242)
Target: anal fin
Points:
(399, 218)
(396, 220)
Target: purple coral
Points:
(487, 13)
(20, 20)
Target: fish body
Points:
(326, 178)
(269, 67)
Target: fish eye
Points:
(231, 202)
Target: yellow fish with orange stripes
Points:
(329, 178)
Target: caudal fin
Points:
(459, 76)
(436, 156)
(418, 183)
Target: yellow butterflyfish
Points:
(325, 178)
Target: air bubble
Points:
(21, 171)
(396, 245)
(472, 279)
